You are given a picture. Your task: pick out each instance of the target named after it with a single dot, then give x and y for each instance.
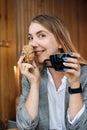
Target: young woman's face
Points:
(43, 42)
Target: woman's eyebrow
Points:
(41, 31)
(29, 34)
(38, 32)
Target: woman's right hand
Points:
(33, 74)
(30, 71)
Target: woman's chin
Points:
(40, 61)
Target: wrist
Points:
(75, 90)
(75, 85)
(35, 85)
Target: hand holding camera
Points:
(66, 62)
(57, 61)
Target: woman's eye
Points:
(30, 38)
(41, 35)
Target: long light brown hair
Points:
(58, 28)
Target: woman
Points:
(52, 99)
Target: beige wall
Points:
(14, 18)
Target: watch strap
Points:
(75, 90)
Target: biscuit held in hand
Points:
(29, 54)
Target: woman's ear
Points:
(60, 49)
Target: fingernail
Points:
(65, 58)
(65, 69)
(64, 63)
(70, 53)
(22, 54)
(34, 67)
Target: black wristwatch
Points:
(75, 90)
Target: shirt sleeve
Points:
(77, 116)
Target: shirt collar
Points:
(63, 84)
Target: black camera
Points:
(56, 61)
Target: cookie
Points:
(29, 54)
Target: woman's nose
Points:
(34, 43)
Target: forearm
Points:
(75, 102)
(32, 102)
(75, 105)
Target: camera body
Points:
(56, 61)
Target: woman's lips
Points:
(39, 52)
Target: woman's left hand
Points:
(73, 74)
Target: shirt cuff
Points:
(77, 116)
